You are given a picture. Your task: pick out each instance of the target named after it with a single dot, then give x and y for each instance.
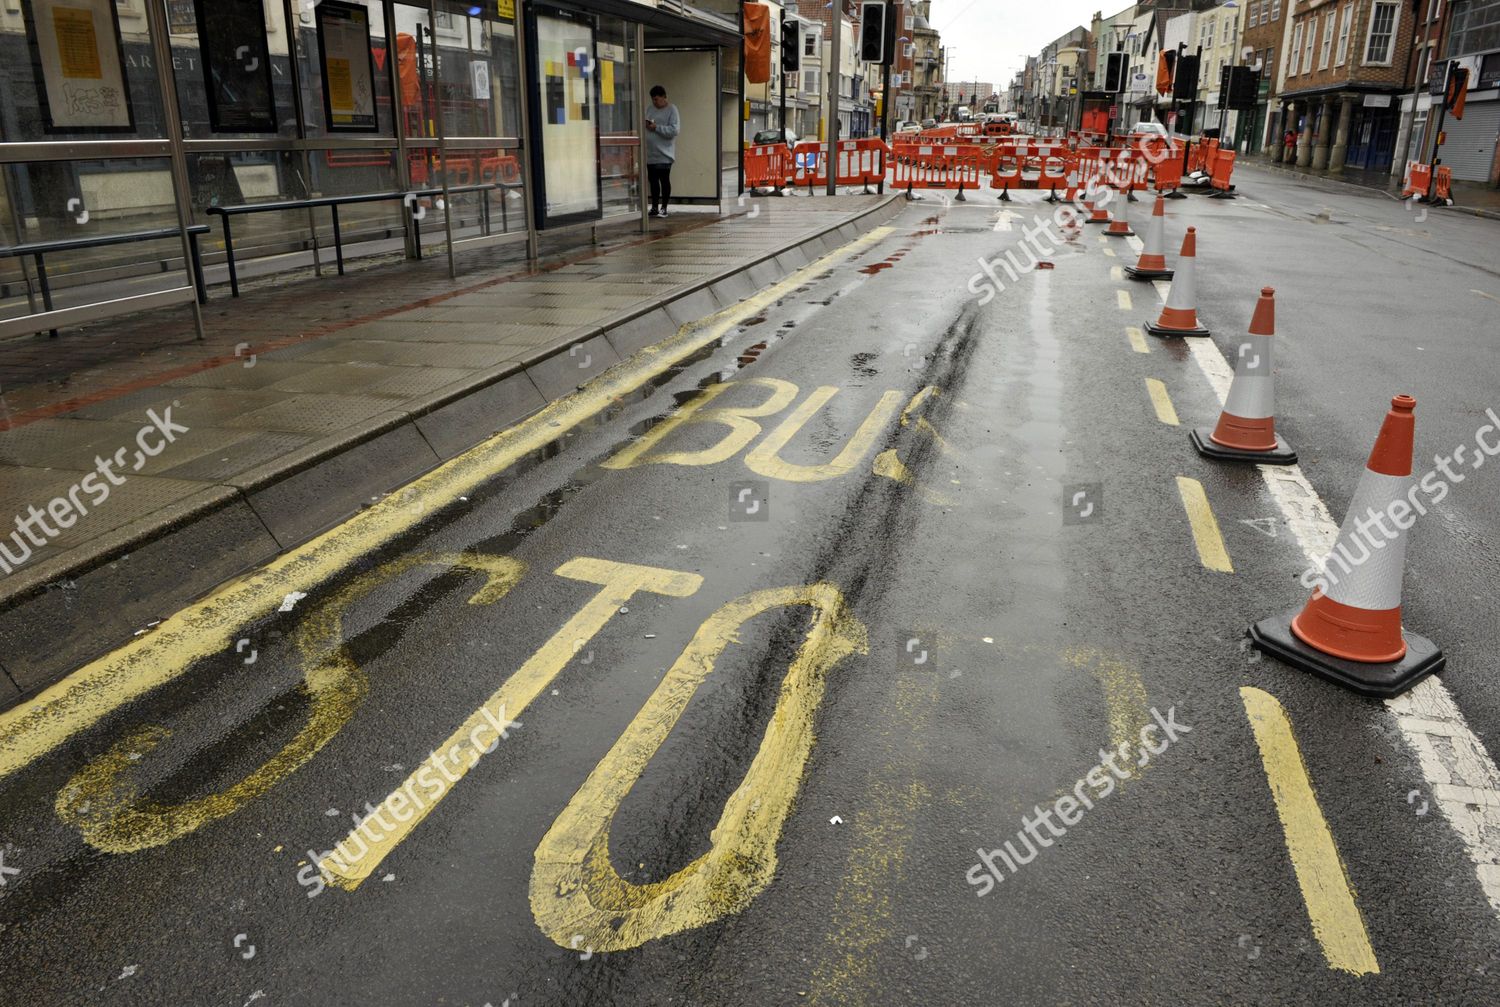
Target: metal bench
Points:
(334, 202)
(39, 249)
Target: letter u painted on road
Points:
(102, 802)
(765, 460)
(576, 894)
(739, 419)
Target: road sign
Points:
(1114, 111)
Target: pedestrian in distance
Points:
(663, 123)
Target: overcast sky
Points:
(990, 39)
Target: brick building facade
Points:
(1344, 66)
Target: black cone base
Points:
(1165, 333)
(1127, 233)
(1423, 657)
(1149, 274)
(1280, 455)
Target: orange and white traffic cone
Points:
(1120, 226)
(1247, 427)
(1152, 264)
(1097, 213)
(1350, 631)
(1180, 317)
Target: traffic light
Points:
(1185, 81)
(791, 45)
(1241, 88)
(872, 32)
(1456, 90)
(1114, 73)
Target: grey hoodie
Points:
(661, 142)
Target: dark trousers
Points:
(660, 177)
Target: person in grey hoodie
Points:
(662, 126)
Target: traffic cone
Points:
(1097, 214)
(1152, 264)
(1247, 426)
(1120, 226)
(1350, 631)
(1179, 317)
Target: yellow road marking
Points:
(881, 829)
(765, 460)
(739, 419)
(1108, 251)
(1124, 697)
(210, 626)
(450, 761)
(1205, 526)
(1122, 298)
(1137, 339)
(103, 803)
(1117, 273)
(576, 895)
(1162, 401)
(1335, 917)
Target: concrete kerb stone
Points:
(733, 289)
(480, 413)
(764, 274)
(141, 572)
(185, 550)
(317, 498)
(689, 308)
(9, 691)
(791, 260)
(561, 372)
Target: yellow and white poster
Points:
(348, 67)
(78, 64)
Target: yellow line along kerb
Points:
(210, 626)
(1335, 917)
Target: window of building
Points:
(1293, 65)
(1311, 40)
(1253, 19)
(811, 42)
(1475, 27)
(1206, 35)
(1229, 25)
(1275, 10)
(1344, 25)
(811, 81)
(1326, 53)
(1383, 22)
(1265, 11)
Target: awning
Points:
(665, 29)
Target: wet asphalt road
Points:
(979, 642)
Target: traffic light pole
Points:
(836, 59)
(889, 96)
(1437, 139)
(782, 68)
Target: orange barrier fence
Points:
(768, 166)
(1222, 168)
(860, 162)
(929, 166)
(1418, 179)
(1444, 182)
